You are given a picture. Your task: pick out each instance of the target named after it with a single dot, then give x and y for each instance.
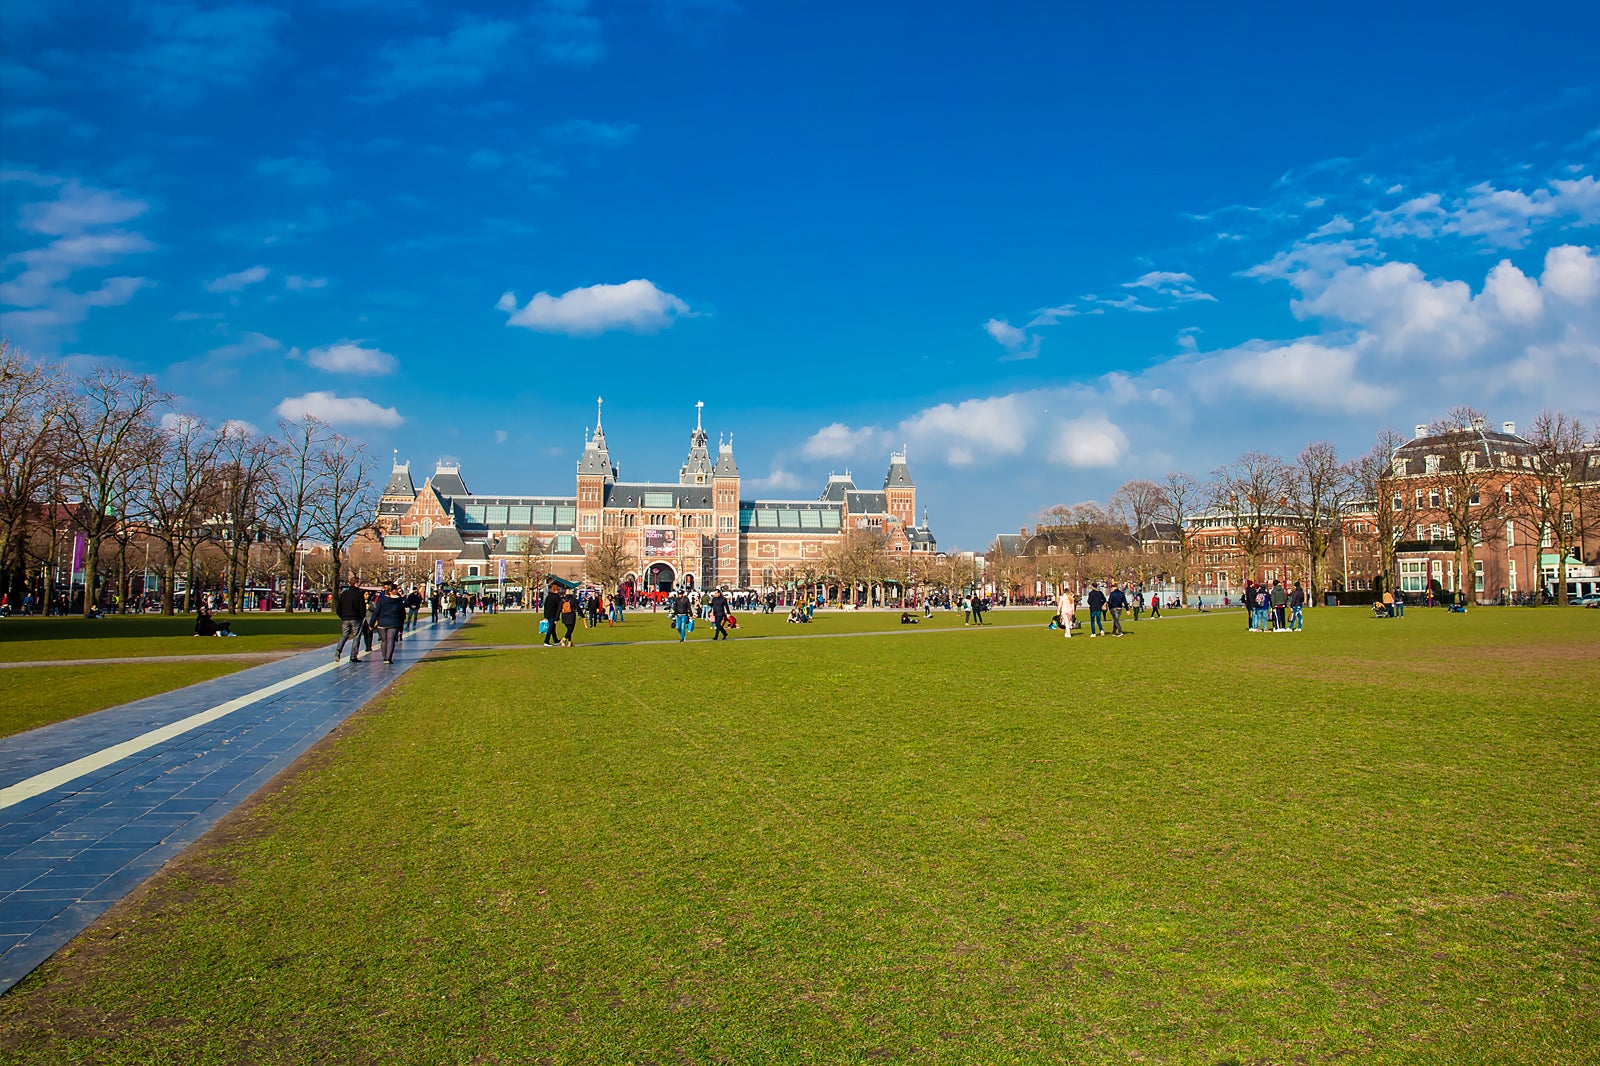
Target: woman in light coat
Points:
(1068, 606)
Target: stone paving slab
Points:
(71, 851)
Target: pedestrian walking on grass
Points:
(1097, 610)
(682, 616)
(569, 615)
(352, 609)
(1117, 602)
(1155, 605)
(1067, 605)
(1297, 603)
(552, 616)
(719, 614)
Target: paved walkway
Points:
(91, 807)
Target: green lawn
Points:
(119, 636)
(1376, 841)
(32, 696)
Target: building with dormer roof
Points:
(696, 532)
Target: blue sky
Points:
(1046, 247)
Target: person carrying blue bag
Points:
(682, 615)
(552, 615)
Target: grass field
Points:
(32, 696)
(119, 636)
(1371, 842)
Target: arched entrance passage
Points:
(660, 577)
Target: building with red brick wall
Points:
(698, 531)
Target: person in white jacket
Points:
(1068, 606)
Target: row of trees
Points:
(1258, 496)
(102, 456)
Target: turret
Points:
(595, 472)
(899, 490)
(697, 467)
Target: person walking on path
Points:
(569, 615)
(413, 605)
(1155, 605)
(1297, 602)
(1067, 605)
(1117, 602)
(719, 614)
(389, 615)
(682, 615)
(552, 616)
(352, 610)
(1097, 610)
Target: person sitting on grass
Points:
(204, 625)
(908, 619)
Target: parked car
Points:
(1591, 600)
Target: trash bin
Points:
(1330, 599)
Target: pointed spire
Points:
(699, 406)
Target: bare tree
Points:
(609, 561)
(1252, 492)
(177, 485)
(346, 505)
(1394, 510)
(245, 461)
(1137, 503)
(1548, 499)
(1180, 495)
(32, 403)
(1318, 488)
(294, 489)
(108, 429)
(1466, 476)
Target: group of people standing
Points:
(1269, 607)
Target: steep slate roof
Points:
(684, 497)
(921, 538)
(475, 552)
(400, 482)
(442, 539)
(838, 485)
(868, 502)
(1011, 543)
(447, 481)
(899, 475)
(726, 467)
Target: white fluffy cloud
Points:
(633, 305)
(351, 357)
(339, 410)
(239, 280)
(838, 441)
(1179, 287)
(973, 429)
(1089, 441)
(1018, 343)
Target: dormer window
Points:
(1432, 463)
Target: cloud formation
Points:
(351, 357)
(339, 410)
(633, 305)
(238, 281)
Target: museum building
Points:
(696, 532)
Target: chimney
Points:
(1422, 431)
(1510, 428)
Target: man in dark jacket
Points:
(719, 614)
(1117, 602)
(552, 616)
(1097, 611)
(413, 605)
(352, 608)
(682, 615)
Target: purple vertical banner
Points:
(80, 548)
(502, 569)
(438, 571)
